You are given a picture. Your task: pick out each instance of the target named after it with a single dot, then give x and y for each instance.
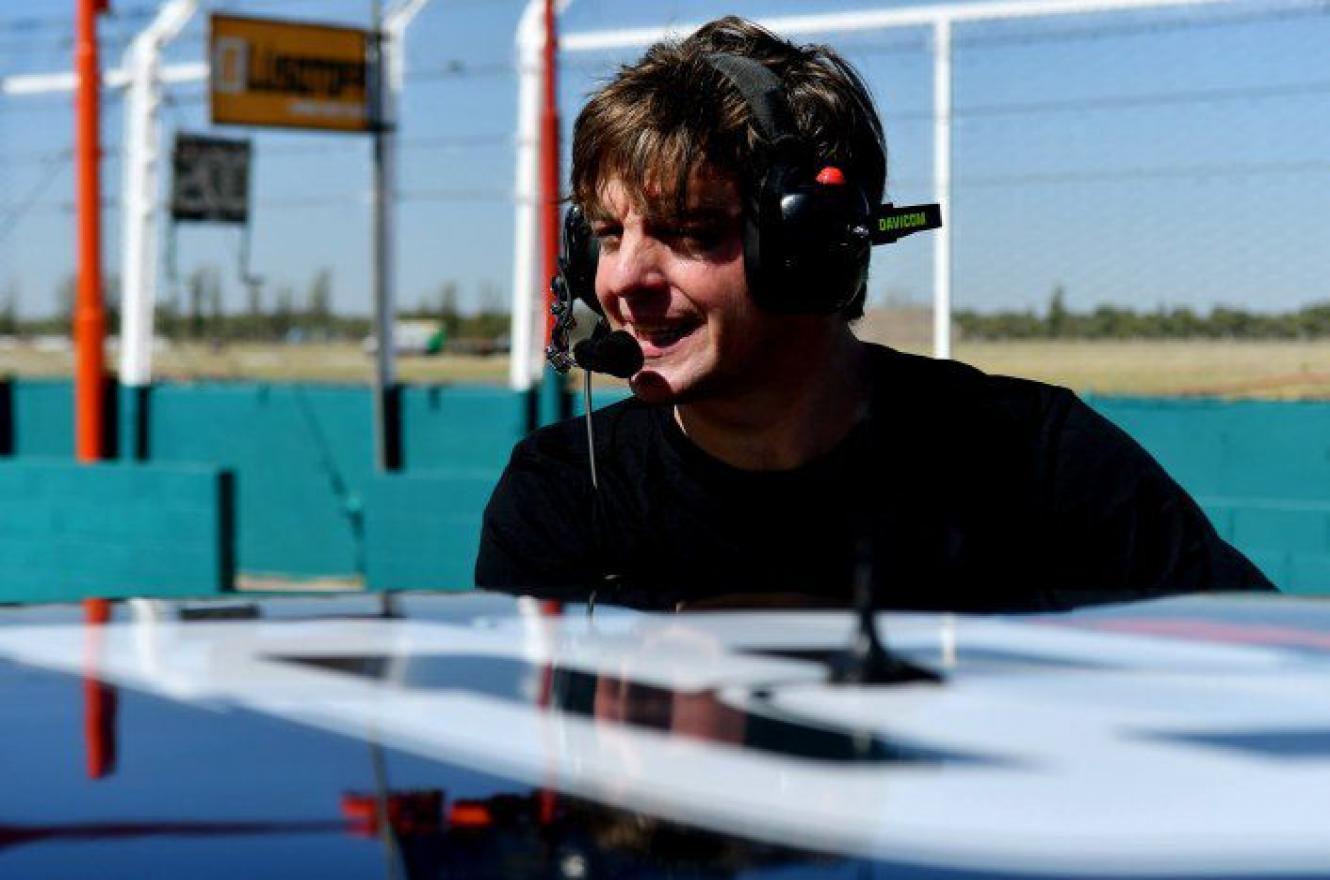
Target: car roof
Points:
(1186, 736)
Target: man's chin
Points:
(651, 387)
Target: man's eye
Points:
(607, 236)
(697, 238)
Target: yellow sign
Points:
(289, 75)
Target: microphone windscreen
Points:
(617, 354)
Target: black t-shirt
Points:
(961, 491)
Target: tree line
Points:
(1120, 322)
(194, 309)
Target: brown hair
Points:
(672, 114)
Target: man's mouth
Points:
(657, 339)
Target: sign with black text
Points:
(289, 74)
(210, 179)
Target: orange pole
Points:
(549, 187)
(89, 315)
(99, 698)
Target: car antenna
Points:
(867, 660)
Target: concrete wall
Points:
(422, 530)
(422, 525)
(68, 531)
(309, 501)
(301, 454)
(460, 429)
(43, 417)
(1260, 469)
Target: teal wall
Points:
(422, 529)
(309, 501)
(422, 525)
(460, 428)
(69, 531)
(1260, 469)
(43, 413)
(301, 454)
(42, 417)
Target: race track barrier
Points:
(1260, 470)
(422, 530)
(422, 526)
(309, 502)
(302, 455)
(69, 531)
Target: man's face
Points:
(676, 283)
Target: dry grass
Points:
(1282, 370)
(1226, 368)
(1239, 369)
(334, 362)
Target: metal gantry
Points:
(144, 77)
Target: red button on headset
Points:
(831, 176)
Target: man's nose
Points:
(633, 267)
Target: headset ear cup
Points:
(823, 252)
(765, 249)
(802, 254)
(754, 266)
(580, 256)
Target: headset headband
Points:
(762, 92)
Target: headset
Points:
(806, 238)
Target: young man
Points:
(766, 450)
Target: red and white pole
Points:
(549, 188)
(549, 164)
(89, 314)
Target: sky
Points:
(1165, 158)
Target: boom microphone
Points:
(617, 354)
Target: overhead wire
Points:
(1101, 30)
(1019, 108)
(505, 196)
(1217, 169)
(1211, 19)
(436, 143)
(458, 69)
(12, 216)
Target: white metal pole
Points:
(22, 84)
(942, 188)
(523, 366)
(392, 50)
(877, 19)
(396, 21)
(141, 151)
(138, 236)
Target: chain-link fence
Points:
(1113, 174)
